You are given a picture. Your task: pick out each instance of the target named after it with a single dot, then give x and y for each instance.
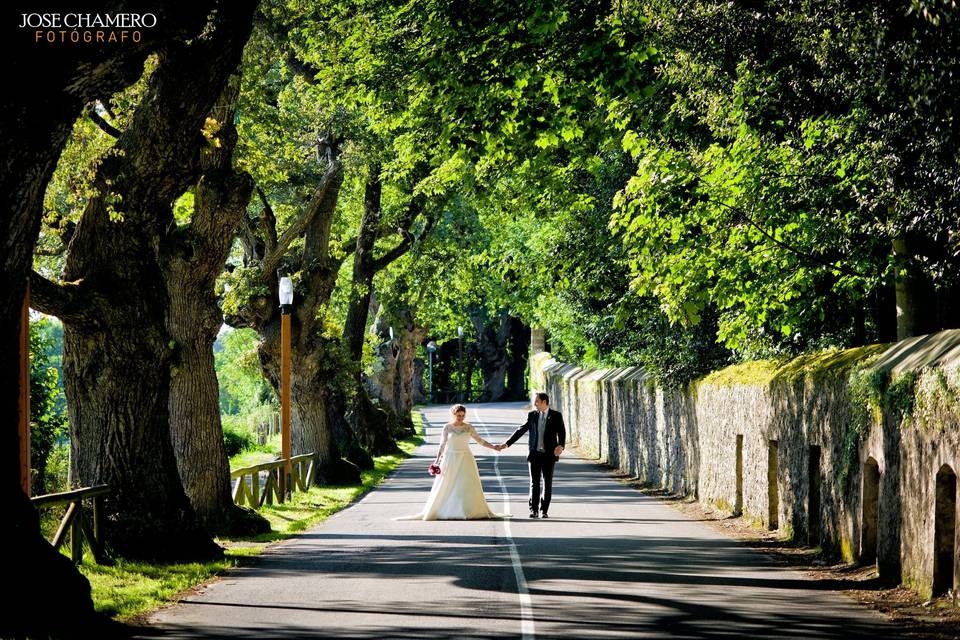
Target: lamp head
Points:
(286, 291)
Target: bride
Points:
(457, 493)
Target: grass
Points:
(258, 455)
(126, 590)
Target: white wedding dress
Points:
(457, 493)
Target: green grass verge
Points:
(126, 590)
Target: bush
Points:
(236, 439)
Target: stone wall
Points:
(842, 449)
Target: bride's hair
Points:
(457, 407)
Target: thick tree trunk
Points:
(117, 379)
(191, 271)
(381, 384)
(310, 428)
(314, 360)
(118, 352)
(411, 335)
(53, 84)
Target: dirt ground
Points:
(938, 619)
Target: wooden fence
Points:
(76, 522)
(250, 493)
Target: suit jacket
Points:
(554, 432)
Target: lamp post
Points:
(286, 300)
(460, 365)
(431, 347)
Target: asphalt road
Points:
(609, 563)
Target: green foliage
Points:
(48, 417)
(72, 184)
(874, 393)
(937, 398)
(243, 390)
(237, 440)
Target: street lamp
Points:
(286, 300)
(460, 365)
(431, 347)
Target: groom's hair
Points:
(542, 396)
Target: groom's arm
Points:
(561, 436)
(516, 434)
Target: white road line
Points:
(526, 607)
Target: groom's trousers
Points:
(541, 467)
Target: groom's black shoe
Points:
(533, 514)
(544, 515)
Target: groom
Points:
(546, 441)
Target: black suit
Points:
(541, 463)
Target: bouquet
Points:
(434, 469)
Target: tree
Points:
(205, 235)
(53, 85)
(118, 351)
(838, 114)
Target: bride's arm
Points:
(443, 443)
(481, 441)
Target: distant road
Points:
(609, 563)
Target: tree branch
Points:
(63, 300)
(104, 126)
(268, 222)
(783, 245)
(391, 255)
(414, 209)
(295, 230)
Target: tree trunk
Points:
(311, 370)
(194, 320)
(118, 352)
(356, 412)
(517, 369)
(910, 288)
(411, 335)
(53, 85)
(361, 289)
(492, 351)
(419, 388)
(117, 378)
(376, 427)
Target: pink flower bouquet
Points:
(434, 469)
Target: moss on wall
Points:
(813, 366)
(937, 399)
